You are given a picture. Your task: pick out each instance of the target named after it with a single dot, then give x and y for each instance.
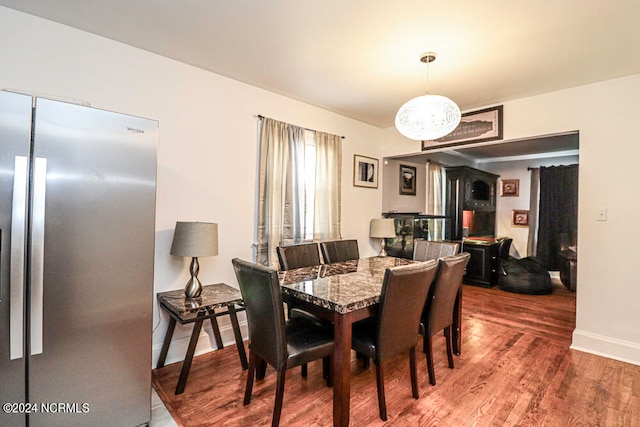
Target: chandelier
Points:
(427, 117)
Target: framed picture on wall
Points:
(365, 171)
(407, 180)
(520, 218)
(475, 126)
(510, 188)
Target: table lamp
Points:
(382, 228)
(194, 239)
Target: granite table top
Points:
(343, 286)
(212, 297)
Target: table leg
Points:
(236, 332)
(166, 343)
(342, 369)
(186, 365)
(457, 324)
(216, 329)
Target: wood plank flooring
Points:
(516, 369)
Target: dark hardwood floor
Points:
(516, 369)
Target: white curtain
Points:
(534, 203)
(281, 192)
(434, 199)
(327, 204)
(284, 213)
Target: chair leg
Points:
(365, 360)
(277, 407)
(380, 383)
(261, 368)
(250, 374)
(414, 373)
(303, 370)
(429, 351)
(327, 372)
(447, 334)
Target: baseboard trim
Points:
(206, 343)
(612, 348)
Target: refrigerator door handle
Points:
(37, 253)
(16, 272)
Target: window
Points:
(299, 187)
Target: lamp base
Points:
(383, 245)
(193, 288)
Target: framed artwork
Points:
(365, 171)
(510, 188)
(520, 218)
(407, 180)
(475, 126)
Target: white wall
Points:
(207, 151)
(605, 114)
(391, 197)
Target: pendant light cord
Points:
(428, 77)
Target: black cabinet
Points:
(470, 202)
(411, 226)
(483, 264)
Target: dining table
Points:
(343, 293)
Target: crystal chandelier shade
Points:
(427, 117)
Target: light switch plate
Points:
(602, 215)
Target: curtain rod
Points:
(260, 116)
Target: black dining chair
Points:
(438, 310)
(339, 250)
(424, 250)
(281, 343)
(298, 256)
(393, 330)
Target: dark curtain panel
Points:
(558, 211)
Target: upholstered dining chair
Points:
(424, 250)
(272, 340)
(298, 256)
(438, 310)
(339, 250)
(393, 330)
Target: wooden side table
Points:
(197, 310)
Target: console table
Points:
(483, 264)
(197, 310)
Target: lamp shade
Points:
(382, 228)
(427, 117)
(195, 239)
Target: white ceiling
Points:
(360, 57)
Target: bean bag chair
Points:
(523, 276)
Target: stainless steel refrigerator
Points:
(77, 227)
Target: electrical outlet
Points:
(601, 214)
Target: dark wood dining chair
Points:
(281, 343)
(393, 330)
(298, 256)
(339, 250)
(438, 310)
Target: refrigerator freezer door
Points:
(97, 290)
(15, 137)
